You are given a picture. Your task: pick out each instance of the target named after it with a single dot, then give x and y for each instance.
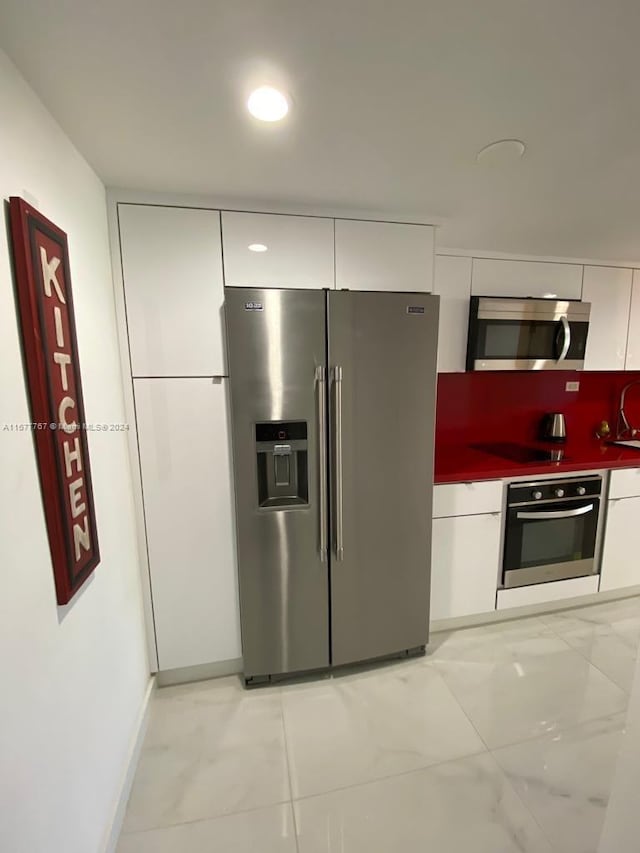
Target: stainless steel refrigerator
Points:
(333, 408)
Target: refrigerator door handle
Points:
(337, 381)
(322, 443)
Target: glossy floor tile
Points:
(503, 738)
(204, 757)
(466, 805)
(565, 780)
(606, 636)
(268, 830)
(521, 680)
(360, 727)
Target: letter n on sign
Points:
(43, 285)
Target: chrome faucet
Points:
(624, 428)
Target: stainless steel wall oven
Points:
(551, 530)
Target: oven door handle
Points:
(568, 513)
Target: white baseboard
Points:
(458, 622)
(200, 672)
(135, 746)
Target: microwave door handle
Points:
(567, 513)
(566, 338)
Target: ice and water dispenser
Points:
(282, 459)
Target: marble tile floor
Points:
(503, 738)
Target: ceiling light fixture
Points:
(501, 152)
(267, 104)
(257, 247)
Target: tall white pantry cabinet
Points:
(175, 261)
(173, 293)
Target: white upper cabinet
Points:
(608, 289)
(172, 270)
(453, 284)
(633, 339)
(526, 278)
(384, 256)
(274, 250)
(185, 461)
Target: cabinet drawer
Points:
(467, 498)
(541, 593)
(625, 483)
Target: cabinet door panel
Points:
(493, 277)
(298, 250)
(383, 256)
(474, 498)
(609, 291)
(620, 555)
(633, 338)
(172, 270)
(465, 562)
(625, 483)
(453, 285)
(188, 504)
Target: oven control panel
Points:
(554, 490)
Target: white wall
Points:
(73, 679)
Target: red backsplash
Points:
(477, 407)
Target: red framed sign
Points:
(45, 302)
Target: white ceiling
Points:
(392, 100)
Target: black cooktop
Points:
(521, 452)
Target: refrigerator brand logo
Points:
(415, 309)
(253, 306)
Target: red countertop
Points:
(458, 463)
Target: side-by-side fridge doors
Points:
(277, 366)
(382, 375)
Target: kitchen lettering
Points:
(65, 405)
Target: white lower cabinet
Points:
(621, 553)
(465, 560)
(188, 503)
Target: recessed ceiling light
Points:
(501, 151)
(267, 104)
(257, 247)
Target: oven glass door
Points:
(550, 541)
(526, 340)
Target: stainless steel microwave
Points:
(527, 334)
